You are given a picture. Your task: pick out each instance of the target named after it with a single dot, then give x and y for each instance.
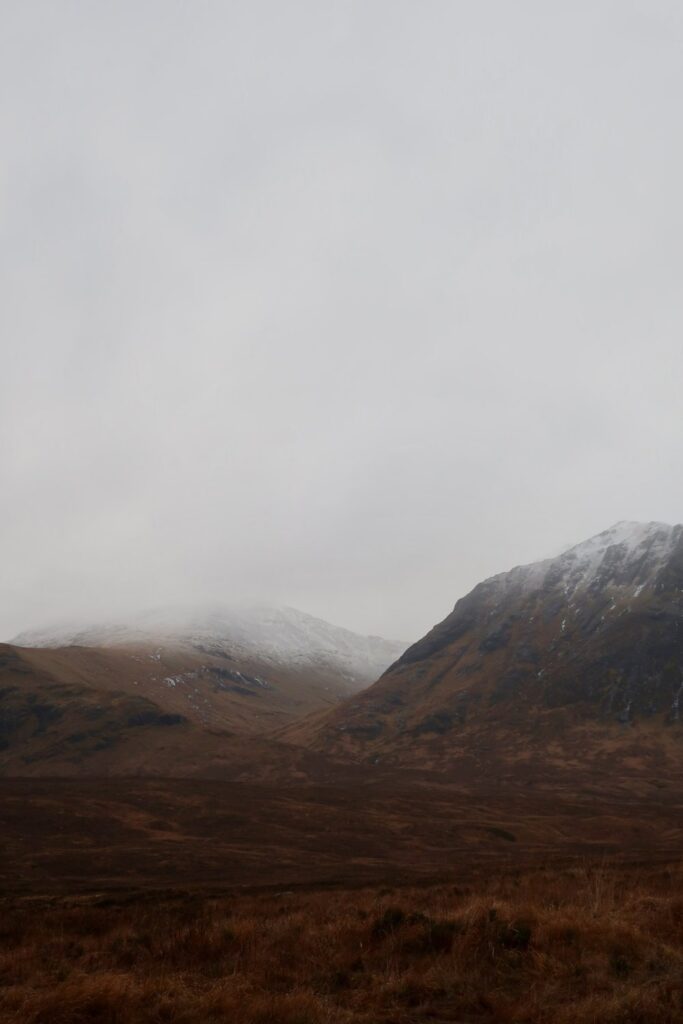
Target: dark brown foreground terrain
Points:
(592, 942)
(79, 835)
(395, 899)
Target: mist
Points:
(343, 306)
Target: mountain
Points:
(277, 637)
(62, 723)
(170, 692)
(573, 665)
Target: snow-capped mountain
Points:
(627, 555)
(613, 569)
(173, 691)
(279, 636)
(570, 660)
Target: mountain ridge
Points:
(267, 633)
(174, 692)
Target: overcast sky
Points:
(344, 305)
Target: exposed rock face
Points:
(575, 657)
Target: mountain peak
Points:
(626, 554)
(630, 533)
(271, 634)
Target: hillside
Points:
(572, 665)
(275, 638)
(75, 712)
(178, 695)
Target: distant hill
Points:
(155, 695)
(53, 722)
(280, 637)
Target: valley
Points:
(513, 773)
(84, 835)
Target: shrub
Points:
(388, 922)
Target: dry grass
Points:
(593, 944)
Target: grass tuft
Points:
(594, 944)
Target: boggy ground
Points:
(594, 942)
(68, 835)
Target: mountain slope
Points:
(174, 693)
(565, 664)
(213, 691)
(53, 722)
(280, 638)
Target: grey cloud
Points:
(342, 305)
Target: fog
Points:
(340, 305)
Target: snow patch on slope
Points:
(628, 552)
(281, 636)
(628, 555)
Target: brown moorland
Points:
(590, 943)
(71, 835)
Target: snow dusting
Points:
(628, 556)
(277, 635)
